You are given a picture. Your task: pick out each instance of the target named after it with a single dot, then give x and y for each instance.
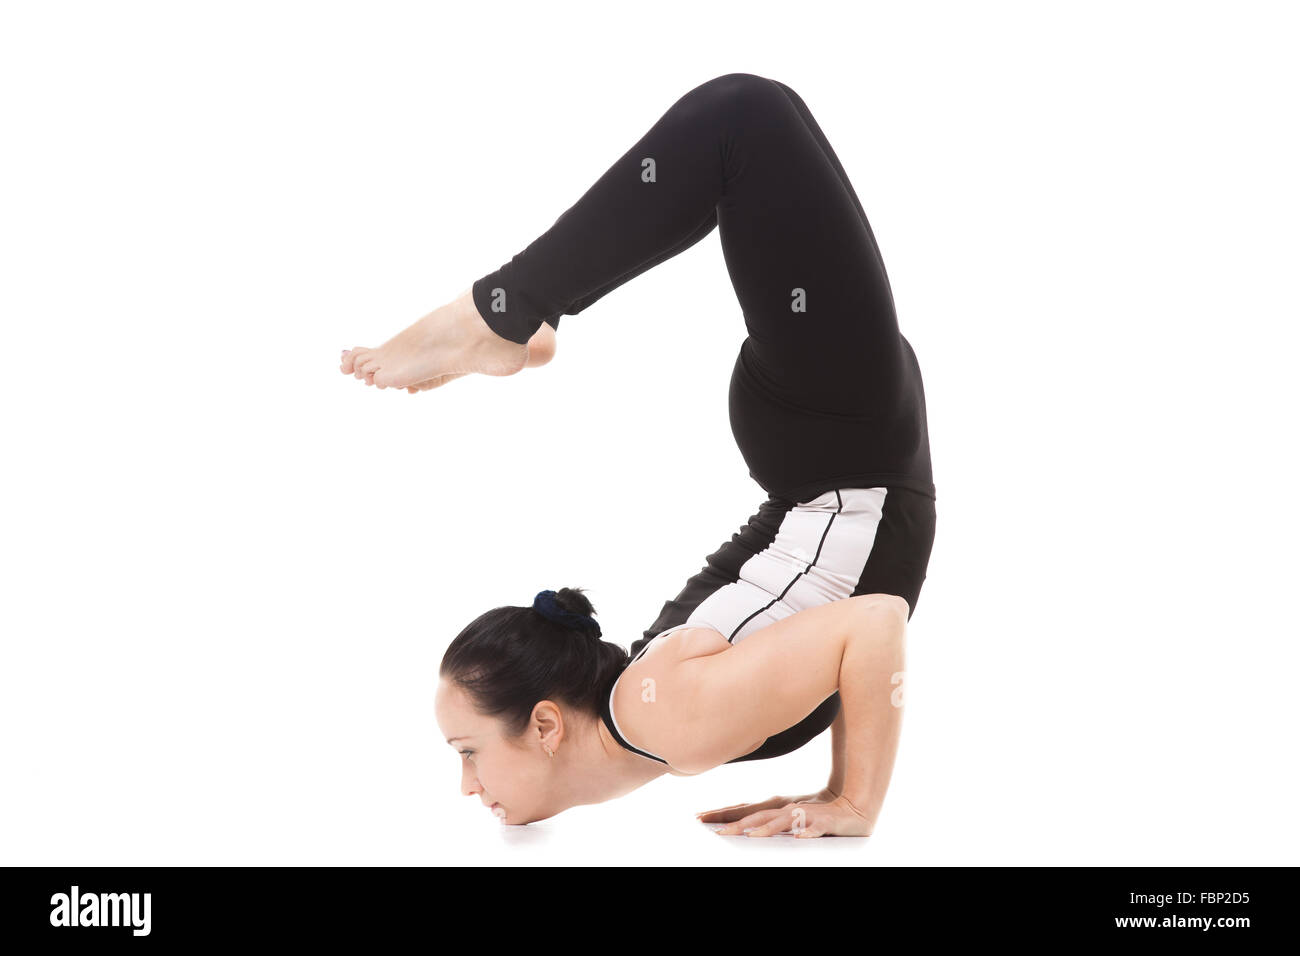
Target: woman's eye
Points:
(467, 753)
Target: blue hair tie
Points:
(546, 605)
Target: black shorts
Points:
(794, 555)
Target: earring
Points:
(549, 751)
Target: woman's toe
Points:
(355, 357)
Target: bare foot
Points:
(448, 342)
(541, 349)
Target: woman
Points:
(826, 405)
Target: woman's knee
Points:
(733, 91)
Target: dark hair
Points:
(509, 658)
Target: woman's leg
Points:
(740, 150)
(806, 114)
(711, 221)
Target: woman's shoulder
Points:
(653, 702)
(682, 643)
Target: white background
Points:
(230, 572)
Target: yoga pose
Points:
(797, 623)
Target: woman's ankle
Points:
(541, 347)
(499, 355)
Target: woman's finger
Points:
(783, 820)
(725, 814)
(753, 820)
(741, 809)
(738, 810)
(812, 820)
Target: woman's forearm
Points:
(838, 746)
(871, 712)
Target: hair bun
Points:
(569, 607)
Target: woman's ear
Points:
(547, 728)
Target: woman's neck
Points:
(598, 768)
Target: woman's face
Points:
(505, 775)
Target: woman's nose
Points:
(468, 782)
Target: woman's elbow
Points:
(885, 606)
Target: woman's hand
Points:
(819, 814)
(739, 811)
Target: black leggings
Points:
(825, 393)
